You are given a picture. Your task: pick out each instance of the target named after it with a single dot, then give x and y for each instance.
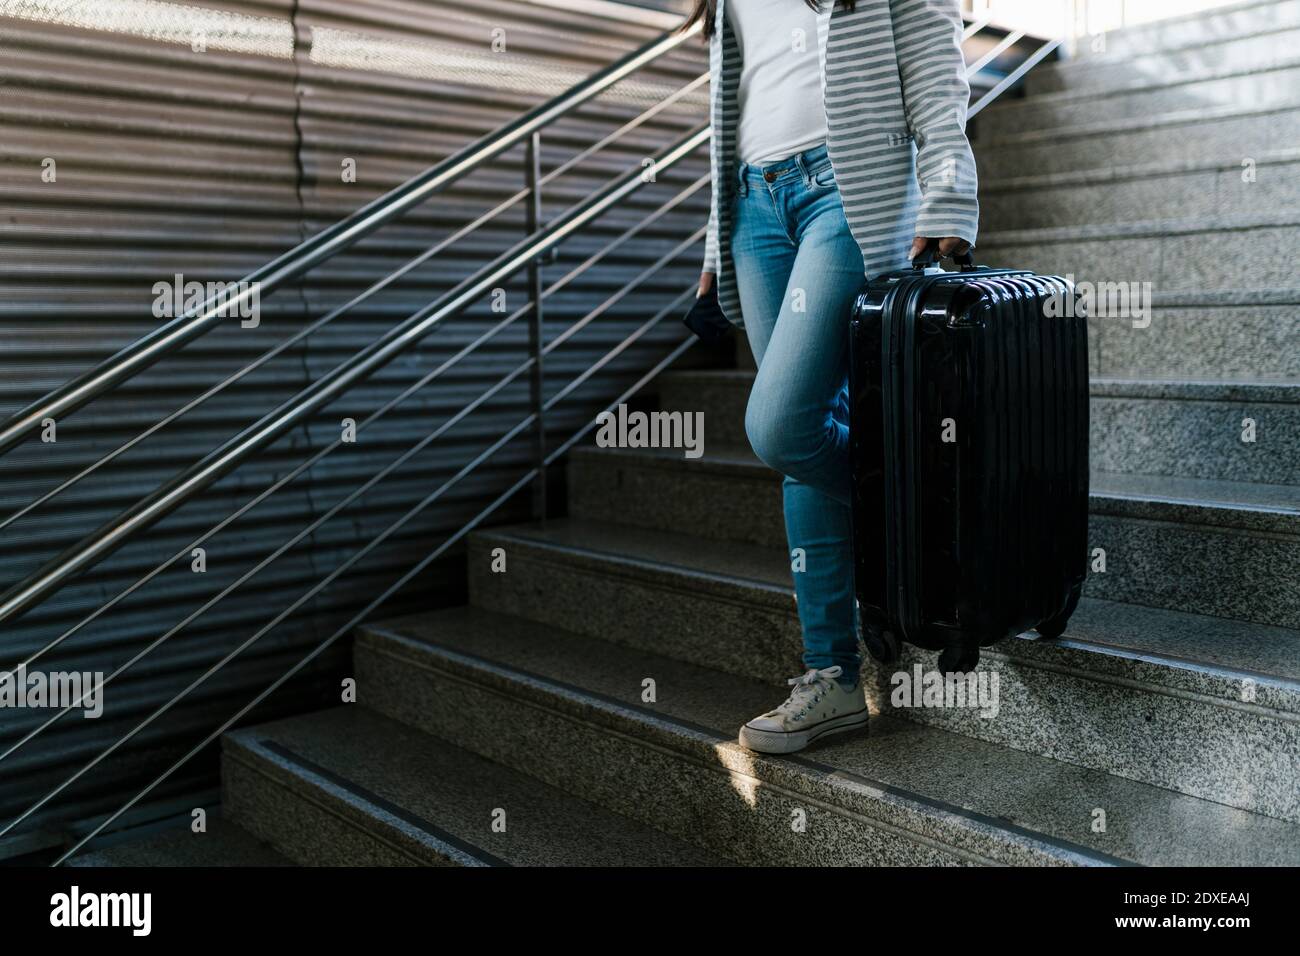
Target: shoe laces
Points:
(809, 688)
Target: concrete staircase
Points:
(583, 708)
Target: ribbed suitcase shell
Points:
(959, 543)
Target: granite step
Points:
(1190, 429)
(1226, 549)
(1101, 71)
(1265, 82)
(1173, 33)
(1222, 548)
(721, 394)
(350, 787)
(563, 708)
(1197, 704)
(1227, 133)
(222, 844)
(725, 495)
(1213, 253)
(1240, 335)
(1195, 430)
(731, 606)
(1182, 187)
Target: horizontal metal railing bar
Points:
(583, 267)
(975, 27)
(192, 324)
(106, 539)
(998, 49)
(608, 357)
(346, 628)
(623, 291)
(343, 309)
(626, 128)
(1013, 77)
(410, 390)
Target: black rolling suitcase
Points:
(969, 435)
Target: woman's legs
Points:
(798, 270)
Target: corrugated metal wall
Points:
(141, 139)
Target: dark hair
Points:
(706, 9)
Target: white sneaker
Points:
(818, 705)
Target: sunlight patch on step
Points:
(740, 766)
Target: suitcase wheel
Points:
(959, 658)
(1054, 627)
(882, 645)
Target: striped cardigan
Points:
(894, 83)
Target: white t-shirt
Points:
(782, 110)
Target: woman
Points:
(839, 151)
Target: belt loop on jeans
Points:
(803, 169)
(742, 182)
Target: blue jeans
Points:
(798, 269)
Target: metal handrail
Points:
(1008, 41)
(1013, 77)
(532, 188)
(975, 27)
(532, 363)
(366, 549)
(533, 247)
(189, 325)
(112, 535)
(388, 592)
(379, 476)
(267, 429)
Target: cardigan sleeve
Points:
(711, 241)
(711, 237)
(927, 40)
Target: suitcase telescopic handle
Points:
(963, 260)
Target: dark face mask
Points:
(705, 318)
